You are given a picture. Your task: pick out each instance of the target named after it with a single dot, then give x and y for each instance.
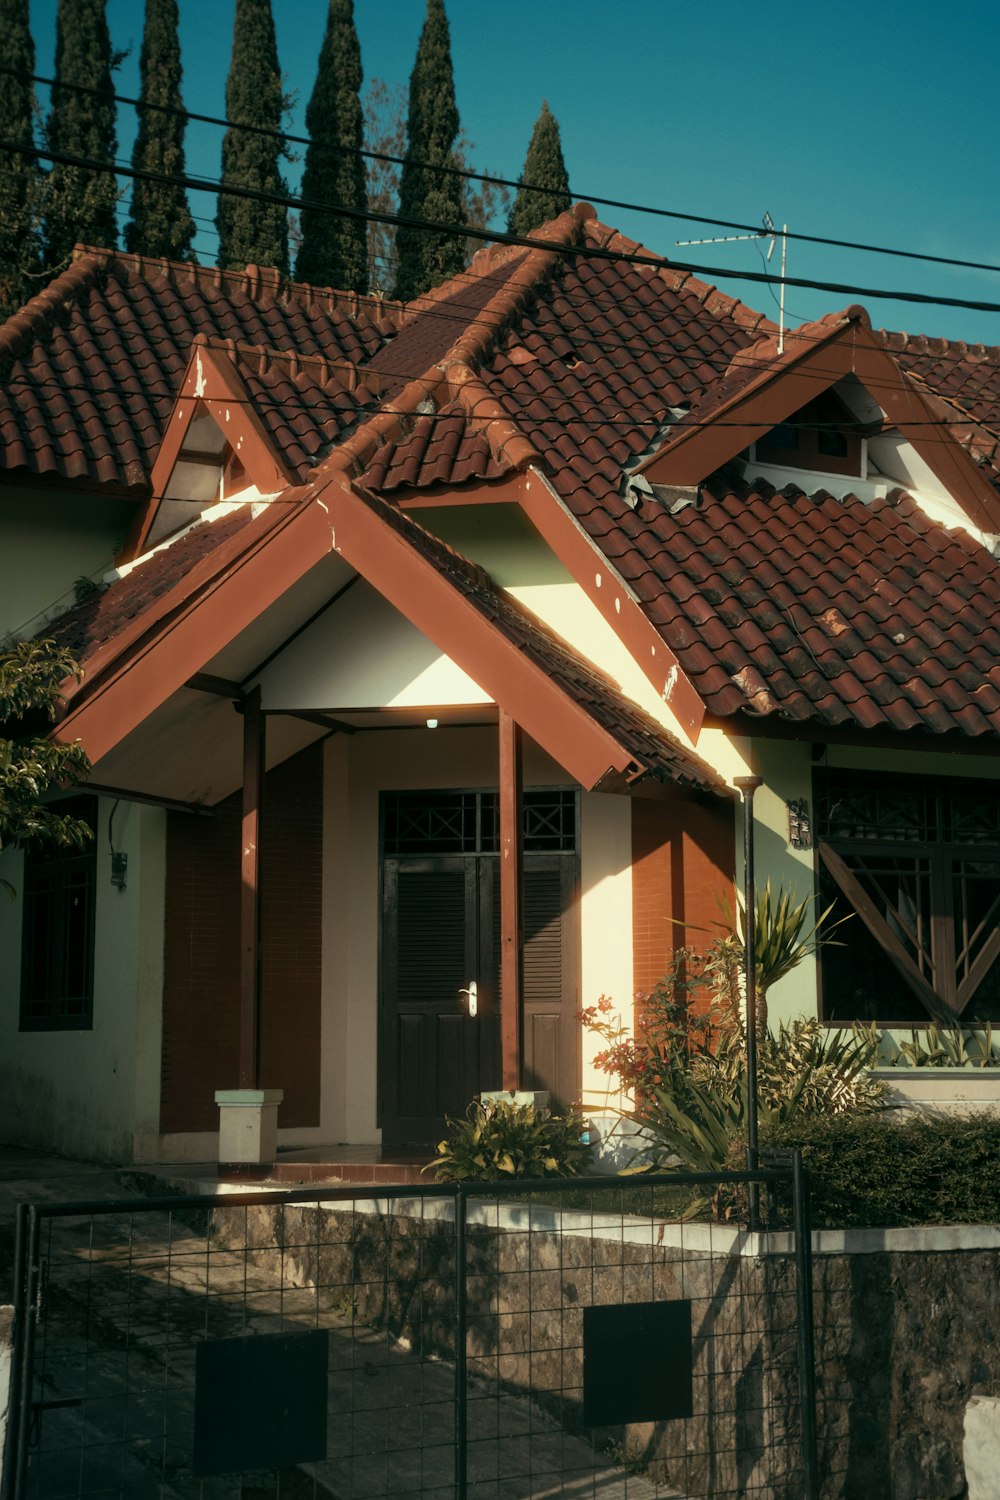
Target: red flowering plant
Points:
(678, 1020)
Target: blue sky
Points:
(873, 122)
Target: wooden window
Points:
(823, 436)
(915, 862)
(57, 951)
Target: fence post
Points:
(804, 1324)
(461, 1381)
(26, 1311)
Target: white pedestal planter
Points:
(248, 1126)
(981, 1449)
(538, 1098)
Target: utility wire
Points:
(489, 177)
(492, 236)
(166, 391)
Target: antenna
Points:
(769, 232)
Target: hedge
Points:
(888, 1170)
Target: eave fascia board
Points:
(166, 652)
(850, 350)
(138, 670)
(414, 586)
(612, 596)
(694, 452)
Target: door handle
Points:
(473, 994)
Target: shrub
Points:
(887, 1170)
(502, 1139)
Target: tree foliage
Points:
(31, 675)
(333, 251)
(21, 179)
(484, 199)
(544, 184)
(80, 202)
(425, 258)
(252, 232)
(161, 222)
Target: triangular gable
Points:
(814, 359)
(573, 713)
(212, 391)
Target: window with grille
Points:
(469, 822)
(57, 951)
(915, 863)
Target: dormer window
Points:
(822, 436)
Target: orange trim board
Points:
(160, 661)
(211, 383)
(782, 388)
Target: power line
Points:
(820, 375)
(489, 177)
(492, 236)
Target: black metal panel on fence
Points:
(260, 1402)
(558, 1339)
(637, 1363)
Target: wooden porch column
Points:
(511, 902)
(250, 926)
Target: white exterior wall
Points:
(84, 1092)
(51, 539)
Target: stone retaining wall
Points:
(907, 1329)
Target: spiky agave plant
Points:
(785, 932)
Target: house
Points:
(379, 606)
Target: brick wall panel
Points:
(201, 952)
(683, 864)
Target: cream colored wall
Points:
(605, 921)
(386, 662)
(502, 540)
(78, 1092)
(49, 540)
(356, 771)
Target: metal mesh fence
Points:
(567, 1339)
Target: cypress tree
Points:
(249, 231)
(80, 202)
(334, 249)
(161, 222)
(544, 186)
(21, 177)
(426, 258)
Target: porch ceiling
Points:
(190, 749)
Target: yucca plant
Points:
(785, 932)
(804, 1070)
(502, 1139)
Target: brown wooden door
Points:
(437, 937)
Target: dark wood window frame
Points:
(916, 860)
(823, 437)
(57, 947)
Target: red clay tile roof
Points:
(966, 380)
(826, 611)
(304, 403)
(90, 367)
(104, 615)
(442, 447)
(435, 321)
(586, 362)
